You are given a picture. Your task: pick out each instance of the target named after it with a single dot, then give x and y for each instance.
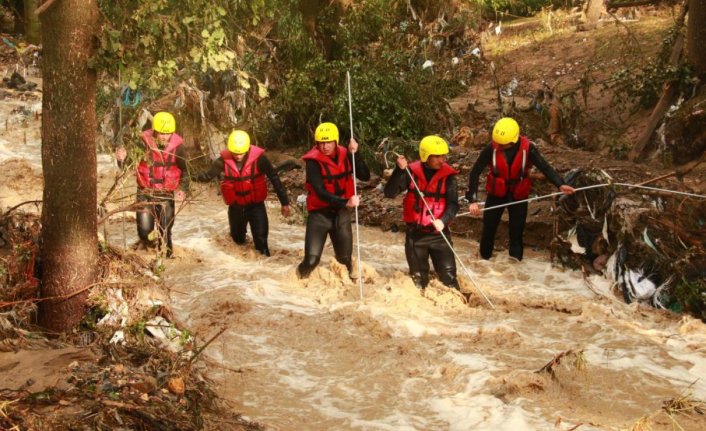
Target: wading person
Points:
(509, 158)
(329, 185)
(244, 168)
(161, 178)
(436, 180)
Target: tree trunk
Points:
(31, 22)
(594, 10)
(69, 247)
(696, 36)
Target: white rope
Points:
(431, 214)
(355, 188)
(694, 195)
(594, 186)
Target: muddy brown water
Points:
(313, 355)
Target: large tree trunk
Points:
(696, 36)
(69, 247)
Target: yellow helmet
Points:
(432, 146)
(238, 142)
(326, 132)
(163, 122)
(506, 131)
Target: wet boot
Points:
(347, 261)
(306, 266)
(453, 285)
(265, 251)
(421, 281)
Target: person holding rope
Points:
(244, 189)
(436, 180)
(509, 158)
(160, 178)
(329, 185)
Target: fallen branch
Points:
(679, 171)
(56, 298)
(668, 94)
(198, 352)
(6, 213)
(556, 360)
(132, 206)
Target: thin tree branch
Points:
(43, 7)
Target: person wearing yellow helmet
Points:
(243, 168)
(428, 213)
(160, 178)
(509, 158)
(329, 185)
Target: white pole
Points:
(355, 189)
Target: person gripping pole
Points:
(436, 182)
(330, 196)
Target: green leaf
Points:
(262, 90)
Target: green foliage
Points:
(692, 296)
(95, 314)
(392, 95)
(619, 149)
(516, 7)
(155, 42)
(643, 85)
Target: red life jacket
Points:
(337, 176)
(246, 186)
(434, 191)
(514, 179)
(159, 170)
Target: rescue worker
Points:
(161, 178)
(244, 189)
(436, 180)
(329, 185)
(509, 158)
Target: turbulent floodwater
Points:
(313, 356)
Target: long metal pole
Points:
(355, 188)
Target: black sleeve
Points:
(313, 177)
(451, 200)
(544, 166)
(361, 169)
(213, 171)
(265, 166)
(483, 160)
(185, 181)
(398, 182)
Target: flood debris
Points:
(131, 366)
(573, 359)
(682, 412)
(650, 244)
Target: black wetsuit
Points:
(424, 242)
(163, 211)
(518, 212)
(254, 214)
(334, 221)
